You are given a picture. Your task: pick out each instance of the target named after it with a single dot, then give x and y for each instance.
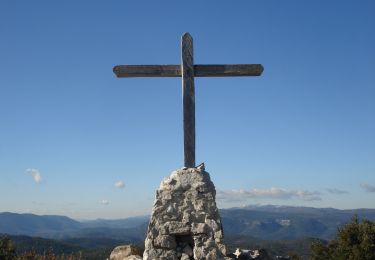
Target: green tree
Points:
(7, 249)
(354, 241)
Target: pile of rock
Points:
(185, 222)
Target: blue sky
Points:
(77, 141)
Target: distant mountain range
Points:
(285, 222)
(260, 222)
(35, 225)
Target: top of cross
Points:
(187, 70)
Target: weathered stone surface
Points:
(125, 252)
(165, 241)
(185, 222)
(133, 257)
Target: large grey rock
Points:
(126, 252)
(185, 222)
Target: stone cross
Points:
(188, 70)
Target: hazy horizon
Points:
(149, 213)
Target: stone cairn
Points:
(185, 222)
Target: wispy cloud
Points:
(104, 202)
(368, 187)
(337, 191)
(35, 174)
(273, 193)
(119, 184)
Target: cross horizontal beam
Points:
(228, 70)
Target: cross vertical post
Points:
(188, 99)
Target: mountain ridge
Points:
(262, 222)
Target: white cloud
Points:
(367, 187)
(119, 184)
(273, 193)
(104, 202)
(337, 191)
(35, 174)
(309, 195)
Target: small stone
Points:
(210, 243)
(185, 218)
(213, 255)
(199, 228)
(222, 248)
(187, 250)
(218, 234)
(133, 257)
(165, 241)
(120, 252)
(176, 227)
(212, 225)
